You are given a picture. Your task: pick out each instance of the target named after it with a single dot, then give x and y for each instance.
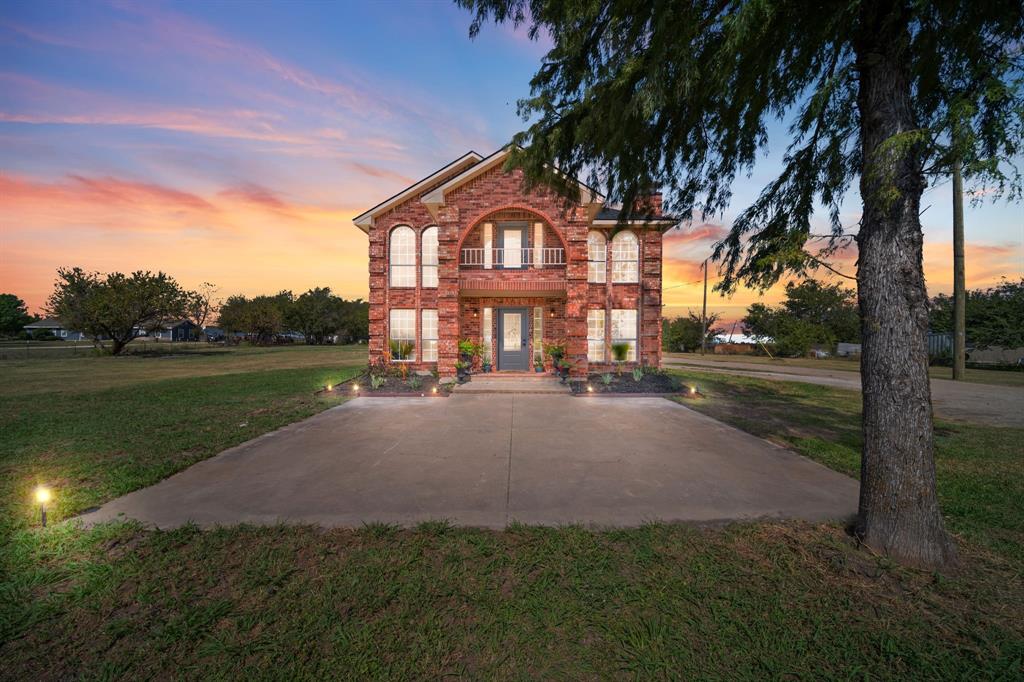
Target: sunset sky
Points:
(234, 142)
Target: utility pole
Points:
(704, 313)
(959, 283)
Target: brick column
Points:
(448, 231)
(378, 294)
(650, 313)
(575, 231)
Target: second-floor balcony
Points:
(511, 259)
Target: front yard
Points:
(756, 600)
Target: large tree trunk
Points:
(899, 512)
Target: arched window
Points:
(625, 257)
(403, 257)
(429, 249)
(597, 254)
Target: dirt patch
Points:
(627, 382)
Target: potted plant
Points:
(538, 366)
(620, 351)
(461, 370)
(556, 351)
(468, 350)
(401, 349)
(563, 369)
(486, 362)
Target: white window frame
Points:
(625, 258)
(428, 334)
(428, 251)
(625, 329)
(402, 330)
(402, 262)
(487, 334)
(596, 335)
(597, 257)
(538, 335)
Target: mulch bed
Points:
(652, 383)
(393, 386)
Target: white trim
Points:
(364, 221)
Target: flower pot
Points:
(487, 367)
(539, 369)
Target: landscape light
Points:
(355, 387)
(330, 388)
(434, 390)
(590, 389)
(693, 390)
(42, 497)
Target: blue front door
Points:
(512, 336)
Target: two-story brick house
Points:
(467, 253)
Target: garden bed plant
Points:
(640, 379)
(391, 378)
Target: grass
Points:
(750, 601)
(979, 469)
(993, 377)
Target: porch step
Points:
(513, 384)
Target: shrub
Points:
(376, 381)
(638, 374)
(414, 382)
(620, 351)
(607, 378)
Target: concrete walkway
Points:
(981, 403)
(487, 460)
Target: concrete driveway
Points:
(488, 460)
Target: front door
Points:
(513, 333)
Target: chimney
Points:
(649, 204)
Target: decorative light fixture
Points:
(42, 497)
(693, 390)
(330, 388)
(590, 389)
(355, 387)
(434, 390)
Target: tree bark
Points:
(899, 512)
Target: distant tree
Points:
(13, 315)
(812, 313)
(260, 319)
(355, 321)
(317, 314)
(995, 316)
(684, 333)
(201, 306)
(116, 305)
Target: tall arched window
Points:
(597, 254)
(402, 257)
(625, 257)
(429, 249)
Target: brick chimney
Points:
(649, 204)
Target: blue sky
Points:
(233, 142)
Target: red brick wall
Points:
(466, 207)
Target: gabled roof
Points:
(365, 220)
(46, 323)
(435, 198)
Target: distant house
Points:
(176, 330)
(845, 350)
(53, 326)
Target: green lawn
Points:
(750, 601)
(972, 375)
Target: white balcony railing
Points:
(513, 258)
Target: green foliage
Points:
(116, 305)
(555, 351)
(318, 314)
(414, 381)
(376, 381)
(13, 315)
(995, 317)
(401, 349)
(638, 374)
(260, 318)
(470, 348)
(620, 351)
(607, 378)
(812, 313)
(679, 95)
(684, 333)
